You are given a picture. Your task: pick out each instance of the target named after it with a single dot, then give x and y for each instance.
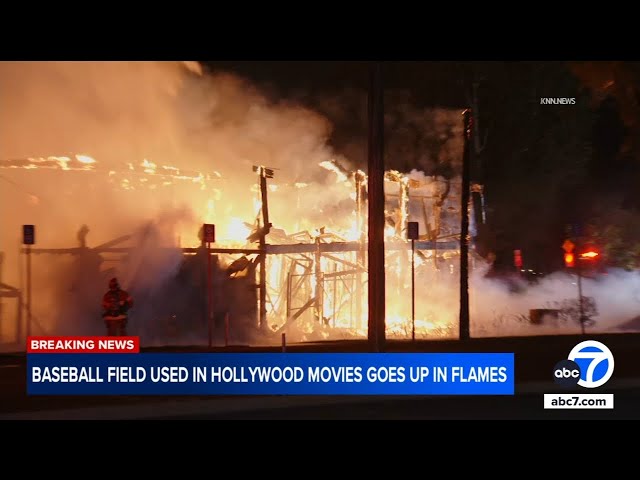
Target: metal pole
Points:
(210, 294)
(29, 316)
(464, 231)
(263, 241)
(580, 302)
(413, 290)
(21, 301)
(376, 279)
(360, 254)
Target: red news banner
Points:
(83, 345)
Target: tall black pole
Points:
(209, 295)
(413, 290)
(376, 280)
(360, 255)
(263, 242)
(29, 314)
(464, 230)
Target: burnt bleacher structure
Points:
(311, 284)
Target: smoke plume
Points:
(95, 151)
(140, 154)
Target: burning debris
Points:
(144, 174)
(314, 283)
(290, 253)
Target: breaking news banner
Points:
(83, 345)
(89, 366)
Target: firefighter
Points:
(116, 304)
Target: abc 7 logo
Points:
(597, 362)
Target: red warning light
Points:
(517, 258)
(569, 260)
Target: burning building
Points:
(290, 250)
(314, 281)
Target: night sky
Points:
(543, 166)
(431, 83)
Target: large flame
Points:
(237, 231)
(330, 286)
(330, 291)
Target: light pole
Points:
(464, 327)
(375, 206)
(413, 235)
(588, 254)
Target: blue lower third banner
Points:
(271, 374)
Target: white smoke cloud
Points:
(214, 126)
(502, 306)
(498, 310)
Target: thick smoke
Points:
(215, 127)
(502, 307)
(505, 311)
(136, 119)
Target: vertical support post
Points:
(21, 299)
(29, 313)
(360, 254)
(376, 272)
(464, 231)
(413, 290)
(263, 242)
(284, 342)
(413, 233)
(209, 295)
(28, 239)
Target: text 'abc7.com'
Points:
(589, 365)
